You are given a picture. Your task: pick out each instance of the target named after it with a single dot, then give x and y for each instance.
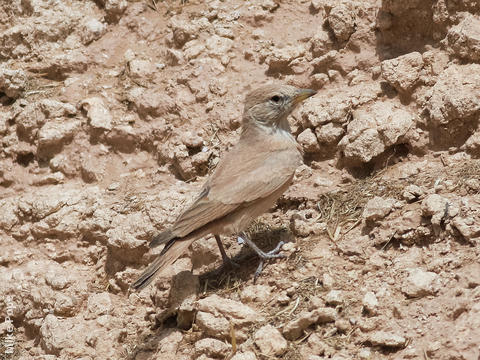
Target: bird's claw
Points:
(273, 254)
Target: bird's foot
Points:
(273, 254)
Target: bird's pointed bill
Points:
(303, 94)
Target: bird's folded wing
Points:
(254, 177)
(239, 179)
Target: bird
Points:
(247, 181)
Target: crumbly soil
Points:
(114, 112)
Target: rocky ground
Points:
(113, 112)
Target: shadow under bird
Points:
(246, 182)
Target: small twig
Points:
(295, 307)
(304, 338)
(351, 227)
(388, 242)
(286, 309)
(233, 338)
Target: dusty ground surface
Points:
(113, 112)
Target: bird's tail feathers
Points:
(161, 238)
(176, 249)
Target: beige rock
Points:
(435, 205)
(216, 326)
(445, 105)
(125, 240)
(31, 119)
(329, 133)
(363, 147)
(8, 210)
(377, 208)
(141, 70)
(466, 221)
(239, 313)
(98, 304)
(280, 59)
(218, 46)
(316, 345)
(319, 80)
(92, 168)
(168, 346)
(65, 305)
(294, 329)
(470, 275)
(256, 293)
(370, 303)
(60, 162)
(193, 49)
(212, 347)
(463, 39)
(91, 30)
(342, 22)
(183, 293)
(54, 135)
(327, 281)
(412, 192)
(421, 283)
(64, 337)
(151, 102)
(403, 72)
(374, 128)
(365, 354)
(55, 335)
(57, 278)
(4, 117)
(270, 341)
(387, 339)
(320, 110)
(224, 30)
(334, 297)
(61, 65)
(98, 114)
(174, 57)
(473, 143)
(182, 31)
(12, 82)
(247, 355)
(321, 43)
(55, 109)
(308, 141)
(114, 9)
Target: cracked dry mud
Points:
(113, 112)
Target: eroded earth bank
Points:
(112, 114)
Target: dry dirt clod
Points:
(270, 341)
(294, 329)
(421, 283)
(387, 339)
(377, 208)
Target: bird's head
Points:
(270, 105)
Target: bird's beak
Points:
(302, 94)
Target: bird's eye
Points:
(275, 98)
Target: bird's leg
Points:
(273, 254)
(227, 262)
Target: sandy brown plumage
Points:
(247, 181)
